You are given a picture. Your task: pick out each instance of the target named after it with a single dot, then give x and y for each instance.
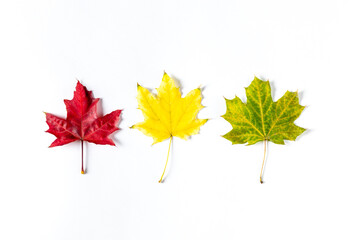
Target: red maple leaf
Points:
(82, 122)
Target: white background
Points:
(212, 191)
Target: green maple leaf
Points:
(262, 119)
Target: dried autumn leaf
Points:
(167, 115)
(82, 122)
(261, 119)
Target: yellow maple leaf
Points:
(167, 114)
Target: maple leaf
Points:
(167, 115)
(261, 119)
(82, 122)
